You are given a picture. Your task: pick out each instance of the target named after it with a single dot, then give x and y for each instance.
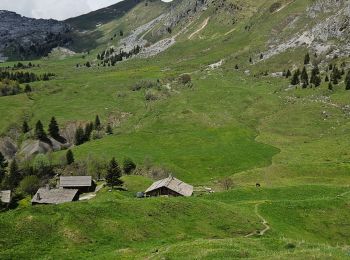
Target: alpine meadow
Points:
(190, 129)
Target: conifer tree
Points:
(114, 174)
(69, 157)
(3, 166)
(295, 79)
(326, 78)
(304, 78)
(14, 176)
(54, 129)
(79, 136)
(288, 74)
(25, 127)
(40, 132)
(307, 59)
(109, 129)
(97, 123)
(347, 81)
(88, 130)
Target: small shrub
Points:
(151, 95)
(290, 246)
(275, 6)
(29, 185)
(128, 166)
(185, 79)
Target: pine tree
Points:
(295, 79)
(128, 166)
(250, 60)
(97, 123)
(25, 127)
(236, 67)
(304, 78)
(326, 79)
(109, 129)
(307, 59)
(347, 81)
(40, 132)
(79, 136)
(315, 78)
(69, 157)
(288, 74)
(261, 56)
(113, 174)
(88, 130)
(3, 166)
(54, 129)
(14, 176)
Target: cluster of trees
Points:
(24, 77)
(91, 130)
(28, 177)
(110, 57)
(10, 88)
(333, 77)
(302, 77)
(40, 133)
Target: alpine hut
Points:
(169, 187)
(55, 196)
(81, 183)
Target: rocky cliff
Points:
(25, 38)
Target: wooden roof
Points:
(75, 181)
(54, 196)
(5, 196)
(173, 184)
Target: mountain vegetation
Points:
(248, 101)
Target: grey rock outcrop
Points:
(22, 37)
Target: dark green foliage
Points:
(261, 56)
(307, 59)
(14, 176)
(97, 123)
(347, 81)
(79, 136)
(54, 129)
(88, 64)
(69, 157)
(40, 132)
(25, 127)
(304, 78)
(315, 77)
(326, 78)
(3, 166)
(330, 86)
(236, 67)
(128, 166)
(30, 184)
(295, 79)
(121, 33)
(250, 60)
(23, 77)
(114, 174)
(288, 74)
(109, 129)
(335, 75)
(28, 88)
(88, 130)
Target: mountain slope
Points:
(26, 38)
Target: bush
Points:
(143, 84)
(275, 6)
(185, 79)
(29, 185)
(128, 166)
(151, 95)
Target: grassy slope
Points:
(229, 124)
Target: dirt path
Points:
(263, 221)
(204, 24)
(89, 196)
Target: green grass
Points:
(228, 124)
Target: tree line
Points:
(24, 77)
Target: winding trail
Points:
(263, 220)
(204, 24)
